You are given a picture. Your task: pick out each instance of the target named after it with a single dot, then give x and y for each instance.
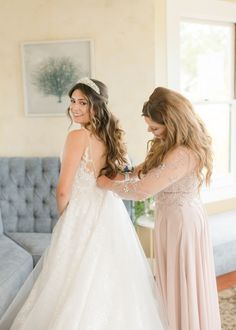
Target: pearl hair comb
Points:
(88, 82)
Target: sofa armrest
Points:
(1, 225)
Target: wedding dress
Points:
(94, 275)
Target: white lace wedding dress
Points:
(94, 275)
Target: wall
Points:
(124, 58)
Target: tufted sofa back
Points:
(27, 193)
(1, 226)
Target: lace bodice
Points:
(186, 189)
(171, 182)
(85, 177)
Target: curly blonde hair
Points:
(105, 126)
(183, 128)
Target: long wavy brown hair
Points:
(183, 128)
(105, 126)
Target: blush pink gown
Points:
(184, 258)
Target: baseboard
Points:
(226, 281)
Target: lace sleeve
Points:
(176, 165)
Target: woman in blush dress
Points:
(178, 161)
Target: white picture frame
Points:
(50, 69)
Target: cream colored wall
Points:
(124, 57)
(160, 43)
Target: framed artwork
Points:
(50, 69)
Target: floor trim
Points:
(226, 281)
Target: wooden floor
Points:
(226, 281)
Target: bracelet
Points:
(126, 174)
(128, 168)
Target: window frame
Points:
(224, 187)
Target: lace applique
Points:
(85, 177)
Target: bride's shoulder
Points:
(78, 134)
(77, 138)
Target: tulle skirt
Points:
(93, 276)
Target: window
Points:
(207, 58)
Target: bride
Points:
(94, 275)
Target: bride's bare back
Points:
(77, 142)
(97, 153)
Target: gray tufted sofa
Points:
(28, 214)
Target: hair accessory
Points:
(88, 82)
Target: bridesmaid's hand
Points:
(104, 182)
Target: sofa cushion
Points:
(34, 243)
(223, 233)
(1, 225)
(15, 266)
(225, 257)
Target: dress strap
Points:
(91, 154)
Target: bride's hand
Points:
(104, 182)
